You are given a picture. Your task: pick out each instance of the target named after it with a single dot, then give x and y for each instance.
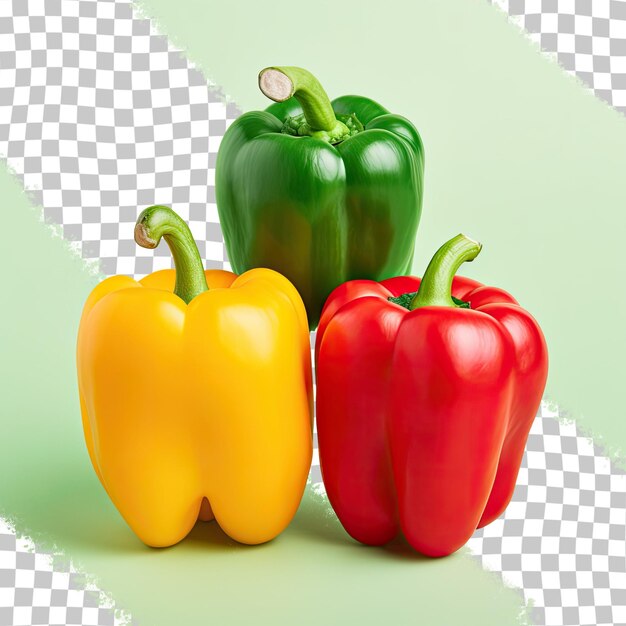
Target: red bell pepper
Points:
(426, 392)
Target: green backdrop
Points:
(518, 155)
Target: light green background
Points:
(518, 155)
(312, 574)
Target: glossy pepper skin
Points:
(197, 405)
(423, 414)
(321, 192)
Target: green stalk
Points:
(436, 285)
(160, 221)
(282, 83)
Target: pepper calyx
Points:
(346, 127)
(405, 299)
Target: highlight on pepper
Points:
(196, 394)
(321, 191)
(422, 427)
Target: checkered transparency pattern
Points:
(101, 117)
(588, 38)
(562, 539)
(37, 588)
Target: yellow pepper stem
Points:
(160, 221)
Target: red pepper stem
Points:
(160, 221)
(435, 288)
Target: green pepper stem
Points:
(281, 83)
(160, 221)
(436, 285)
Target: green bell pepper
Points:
(322, 192)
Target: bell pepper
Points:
(320, 191)
(196, 403)
(426, 392)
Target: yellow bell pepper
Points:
(197, 403)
